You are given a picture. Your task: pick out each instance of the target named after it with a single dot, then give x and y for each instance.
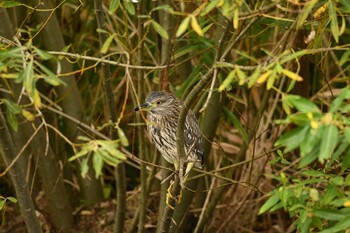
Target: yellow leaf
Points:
(195, 26)
(28, 115)
(235, 18)
(346, 204)
(292, 75)
(262, 78)
(183, 26)
(123, 139)
(36, 98)
(314, 124)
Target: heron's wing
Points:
(193, 137)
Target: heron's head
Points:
(158, 102)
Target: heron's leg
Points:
(171, 199)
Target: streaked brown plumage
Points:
(163, 111)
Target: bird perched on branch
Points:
(163, 111)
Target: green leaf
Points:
(237, 125)
(272, 201)
(230, 77)
(334, 20)
(331, 193)
(123, 139)
(43, 54)
(337, 102)
(328, 214)
(28, 80)
(344, 58)
(129, 6)
(97, 163)
(160, 30)
(293, 138)
(302, 104)
(328, 142)
(209, 7)
(254, 76)
(107, 44)
(51, 78)
(8, 4)
(113, 6)
(337, 181)
(340, 226)
(11, 199)
(195, 26)
(84, 166)
(12, 106)
(304, 13)
(183, 26)
(241, 76)
(2, 203)
(81, 153)
(12, 120)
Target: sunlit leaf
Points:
(97, 163)
(328, 142)
(304, 13)
(334, 20)
(183, 26)
(262, 78)
(235, 17)
(209, 7)
(84, 167)
(129, 6)
(9, 4)
(107, 44)
(292, 75)
(113, 6)
(254, 76)
(11, 199)
(123, 139)
(28, 115)
(273, 200)
(195, 26)
(160, 30)
(230, 77)
(241, 76)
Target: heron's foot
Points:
(171, 199)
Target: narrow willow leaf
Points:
(113, 6)
(166, 8)
(9, 4)
(293, 56)
(123, 139)
(302, 104)
(12, 120)
(28, 78)
(230, 77)
(262, 78)
(334, 21)
(84, 167)
(2, 203)
(51, 78)
(195, 26)
(305, 12)
(209, 7)
(129, 7)
(183, 26)
(272, 201)
(36, 98)
(43, 54)
(342, 225)
(292, 75)
(241, 76)
(12, 199)
(235, 17)
(328, 214)
(12, 106)
(97, 163)
(328, 142)
(271, 80)
(160, 30)
(254, 76)
(107, 44)
(107, 158)
(78, 155)
(28, 115)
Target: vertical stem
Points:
(120, 169)
(143, 178)
(8, 151)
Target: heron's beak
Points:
(145, 106)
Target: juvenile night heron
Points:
(163, 111)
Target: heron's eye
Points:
(158, 102)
